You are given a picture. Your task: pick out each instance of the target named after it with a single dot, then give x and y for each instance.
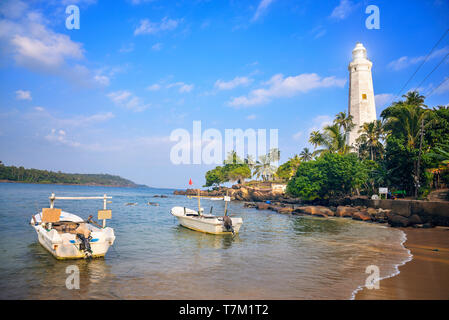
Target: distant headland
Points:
(22, 175)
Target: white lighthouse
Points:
(362, 106)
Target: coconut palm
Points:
(371, 135)
(333, 139)
(306, 155)
(344, 121)
(414, 98)
(249, 160)
(264, 167)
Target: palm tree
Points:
(306, 155)
(334, 136)
(371, 135)
(406, 120)
(233, 158)
(249, 160)
(264, 167)
(409, 122)
(344, 121)
(414, 98)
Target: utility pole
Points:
(419, 160)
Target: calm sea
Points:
(274, 257)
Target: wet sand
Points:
(425, 277)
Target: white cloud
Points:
(279, 87)
(154, 87)
(44, 48)
(126, 99)
(251, 117)
(297, 135)
(183, 87)
(261, 8)
(73, 122)
(102, 80)
(404, 62)
(382, 99)
(59, 136)
(127, 48)
(27, 39)
(148, 27)
(228, 85)
(157, 46)
(23, 95)
(343, 10)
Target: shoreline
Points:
(424, 277)
(75, 184)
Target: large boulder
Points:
(415, 219)
(263, 206)
(326, 211)
(345, 212)
(361, 216)
(314, 210)
(286, 210)
(396, 220)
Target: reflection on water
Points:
(273, 257)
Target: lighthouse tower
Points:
(361, 107)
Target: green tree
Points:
(288, 169)
(333, 139)
(370, 139)
(215, 177)
(306, 155)
(328, 176)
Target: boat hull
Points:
(67, 246)
(205, 223)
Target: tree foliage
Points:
(20, 174)
(328, 176)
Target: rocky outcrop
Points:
(345, 211)
(362, 216)
(396, 220)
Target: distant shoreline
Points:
(76, 184)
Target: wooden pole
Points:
(199, 203)
(419, 159)
(226, 204)
(104, 208)
(52, 200)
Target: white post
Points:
(52, 200)
(104, 208)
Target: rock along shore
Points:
(396, 213)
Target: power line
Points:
(419, 67)
(425, 59)
(441, 83)
(436, 67)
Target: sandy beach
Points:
(425, 277)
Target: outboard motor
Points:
(85, 245)
(227, 222)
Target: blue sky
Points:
(105, 98)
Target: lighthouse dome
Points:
(359, 52)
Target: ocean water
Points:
(274, 257)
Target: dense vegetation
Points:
(20, 174)
(408, 149)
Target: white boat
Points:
(67, 236)
(206, 222)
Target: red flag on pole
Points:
(190, 181)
